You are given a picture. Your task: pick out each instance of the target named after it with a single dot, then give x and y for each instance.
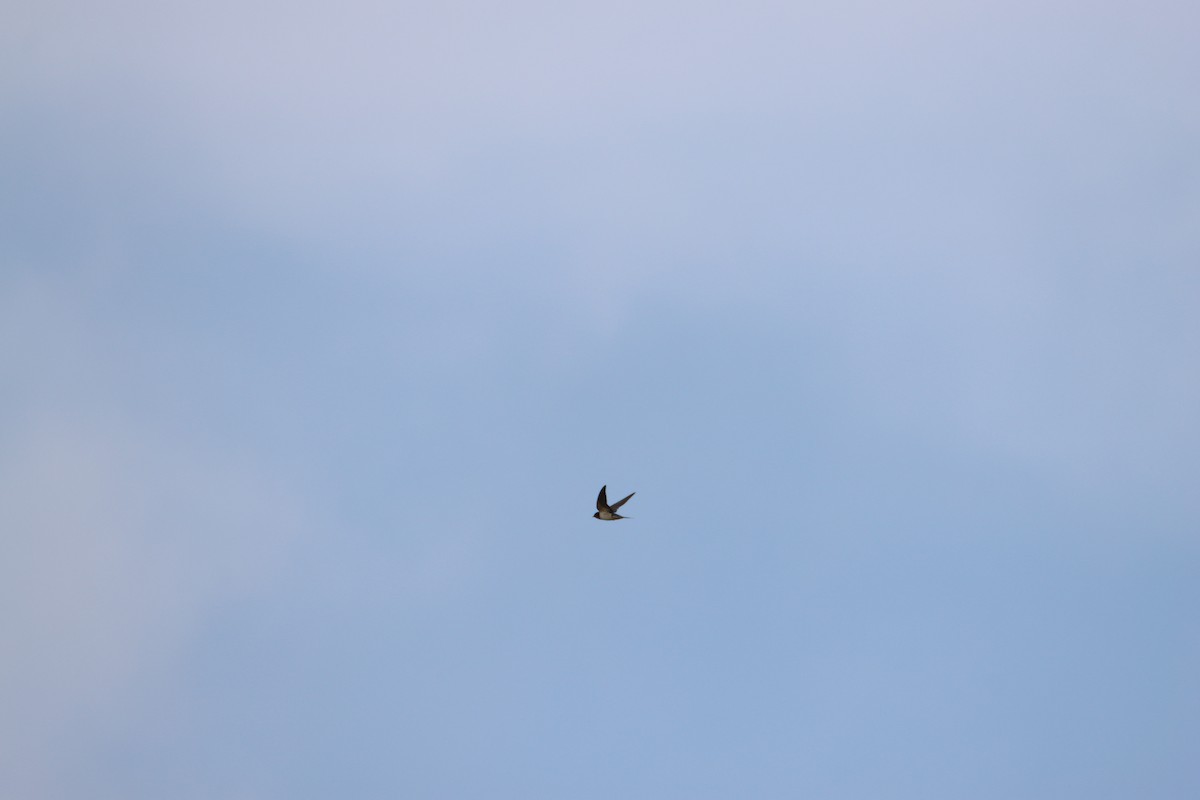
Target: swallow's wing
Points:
(602, 499)
(622, 501)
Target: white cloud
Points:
(119, 539)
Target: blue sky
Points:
(323, 326)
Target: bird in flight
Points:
(604, 510)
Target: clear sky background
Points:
(322, 325)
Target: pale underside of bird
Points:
(604, 510)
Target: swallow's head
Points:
(596, 515)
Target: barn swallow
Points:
(604, 510)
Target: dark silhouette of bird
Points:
(604, 510)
